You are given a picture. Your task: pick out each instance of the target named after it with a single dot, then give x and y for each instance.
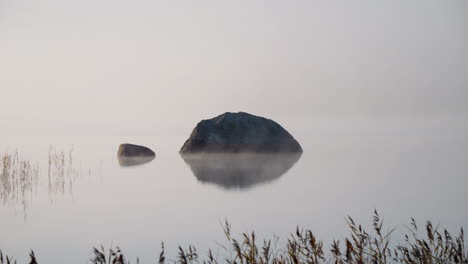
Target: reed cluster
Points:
(61, 173)
(5, 259)
(360, 247)
(18, 178)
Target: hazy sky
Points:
(150, 65)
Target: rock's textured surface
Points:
(130, 150)
(240, 132)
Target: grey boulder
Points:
(132, 155)
(131, 150)
(240, 133)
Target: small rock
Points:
(130, 150)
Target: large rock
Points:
(240, 132)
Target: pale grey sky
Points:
(110, 65)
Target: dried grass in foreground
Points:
(360, 247)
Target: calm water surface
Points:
(413, 167)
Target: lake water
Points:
(375, 93)
(404, 167)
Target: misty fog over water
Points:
(375, 93)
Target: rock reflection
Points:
(239, 171)
(134, 161)
(18, 179)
